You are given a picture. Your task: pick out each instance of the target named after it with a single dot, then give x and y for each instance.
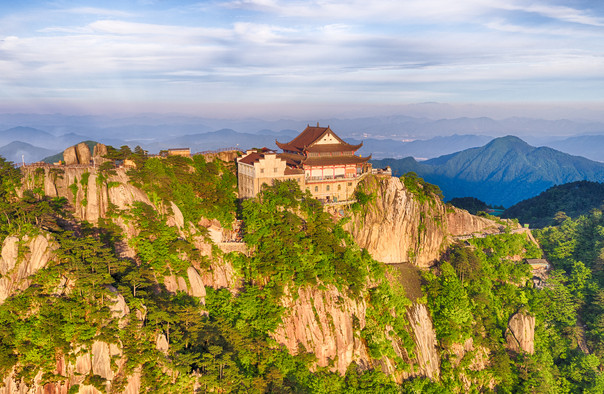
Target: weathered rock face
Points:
(21, 258)
(80, 154)
(70, 156)
(476, 358)
(195, 288)
(83, 152)
(92, 198)
(99, 150)
(396, 227)
(425, 341)
(102, 359)
(326, 326)
(520, 335)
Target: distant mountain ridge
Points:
(396, 136)
(17, 151)
(503, 172)
(589, 146)
(39, 138)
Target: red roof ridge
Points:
(310, 136)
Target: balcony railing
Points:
(330, 178)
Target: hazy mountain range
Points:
(503, 172)
(32, 140)
(18, 151)
(383, 137)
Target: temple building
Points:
(317, 159)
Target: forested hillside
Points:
(556, 203)
(575, 309)
(160, 280)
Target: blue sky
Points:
(293, 58)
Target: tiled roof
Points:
(305, 138)
(291, 159)
(344, 147)
(335, 160)
(251, 158)
(310, 135)
(293, 171)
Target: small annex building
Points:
(317, 159)
(263, 166)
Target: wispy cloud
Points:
(98, 12)
(384, 10)
(561, 13)
(264, 50)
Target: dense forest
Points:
(224, 341)
(556, 203)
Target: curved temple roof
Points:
(307, 139)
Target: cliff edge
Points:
(397, 226)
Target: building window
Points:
(275, 169)
(349, 183)
(339, 187)
(327, 188)
(262, 170)
(316, 189)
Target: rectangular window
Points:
(275, 169)
(262, 170)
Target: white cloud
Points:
(260, 33)
(375, 11)
(148, 29)
(97, 12)
(357, 48)
(566, 14)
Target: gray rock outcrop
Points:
(80, 154)
(77, 154)
(395, 227)
(70, 156)
(425, 340)
(324, 323)
(520, 334)
(83, 152)
(16, 268)
(197, 287)
(99, 150)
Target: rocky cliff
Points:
(80, 154)
(88, 191)
(20, 258)
(327, 324)
(317, 319)
(520, 335)
(395, 226)
(428, 361)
